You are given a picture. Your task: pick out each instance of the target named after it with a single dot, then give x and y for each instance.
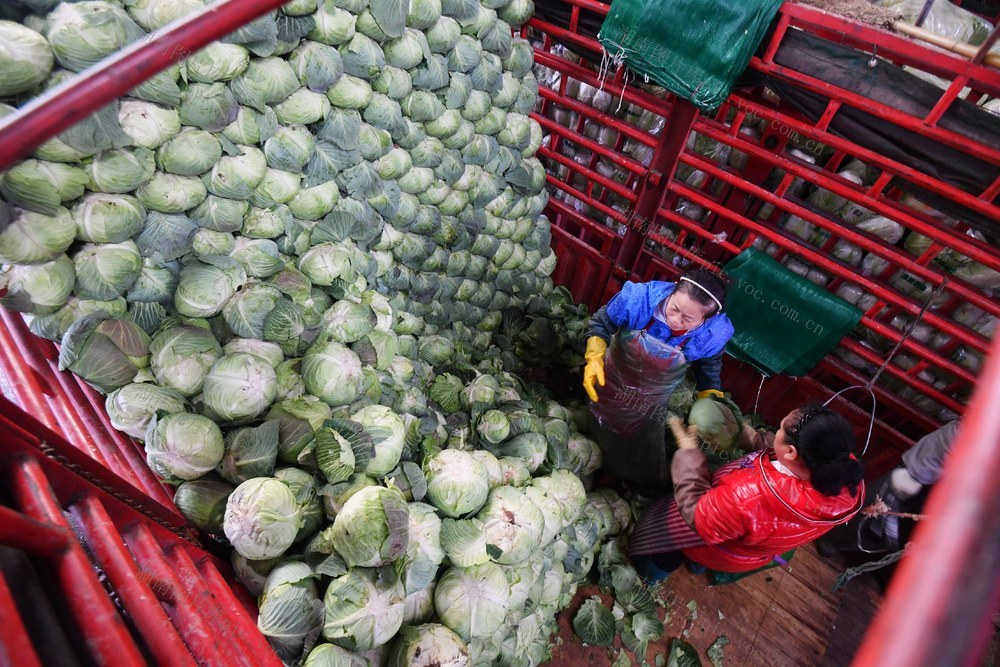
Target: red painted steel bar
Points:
(103, 630)
(651, 191)
(601, 117)
(223, 610)
(940, 603)
(942, 105)
(600, 8)
(876, 359)
(569, 189)
(238, 613)
(15, 644)
(592, 252)
(132, 458)
(58, 416)
(693, 226)
(891, 45)
(840, 232)
(571, 135)
(68, 467)
(823, 262)
(61, 107)
(30, 536)
(972, 248)
(238, 600)
(95, 436)
(20, 375)
(979, 204)
(851, 376)
(72, 411)
(874, 325)
(186, 615)
(628, 94)
(133, 590)
(595, 176)
(881, 111)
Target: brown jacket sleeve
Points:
(763, 440)
(692, 480)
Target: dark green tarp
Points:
(784, 323)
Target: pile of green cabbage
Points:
(302, 264)
(319, 154)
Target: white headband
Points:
(702, 288)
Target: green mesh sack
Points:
(696, 49)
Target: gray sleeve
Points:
(926, 458)
(602, 326)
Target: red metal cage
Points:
(643, 187)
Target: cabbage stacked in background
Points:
(321, 153)
(302, 264)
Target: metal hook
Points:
(874, 59)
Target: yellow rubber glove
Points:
(705, 393)
(594, 370)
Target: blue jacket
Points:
(633, 308)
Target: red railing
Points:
(594, 190)
(171, 603)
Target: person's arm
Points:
(692, 480)
(752, 440)
(708, 510)
(708, 372)
(602, 326)
(925, 459)
(688, 469)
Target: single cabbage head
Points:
(371, 529)
(472, 601)
(290, 608)
(364, 609)
(332, 372)
(181, 356)
(25, 58)
(262, 518)
(239, 386)
(457, 482)
(718, 422)
(105, 351)
(388, 437)
(183, 446)
(132, 407)
(429, 645)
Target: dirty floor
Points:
(774, 618)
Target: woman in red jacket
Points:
(798, 484)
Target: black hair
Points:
(712, 282)
(825, 441)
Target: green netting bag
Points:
(694, 48)
(784, 323)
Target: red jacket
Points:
(756, 512)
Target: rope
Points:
(906, 332)
(852, 572)
(760, 388)
(888, 359)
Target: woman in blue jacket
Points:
(686, 315)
